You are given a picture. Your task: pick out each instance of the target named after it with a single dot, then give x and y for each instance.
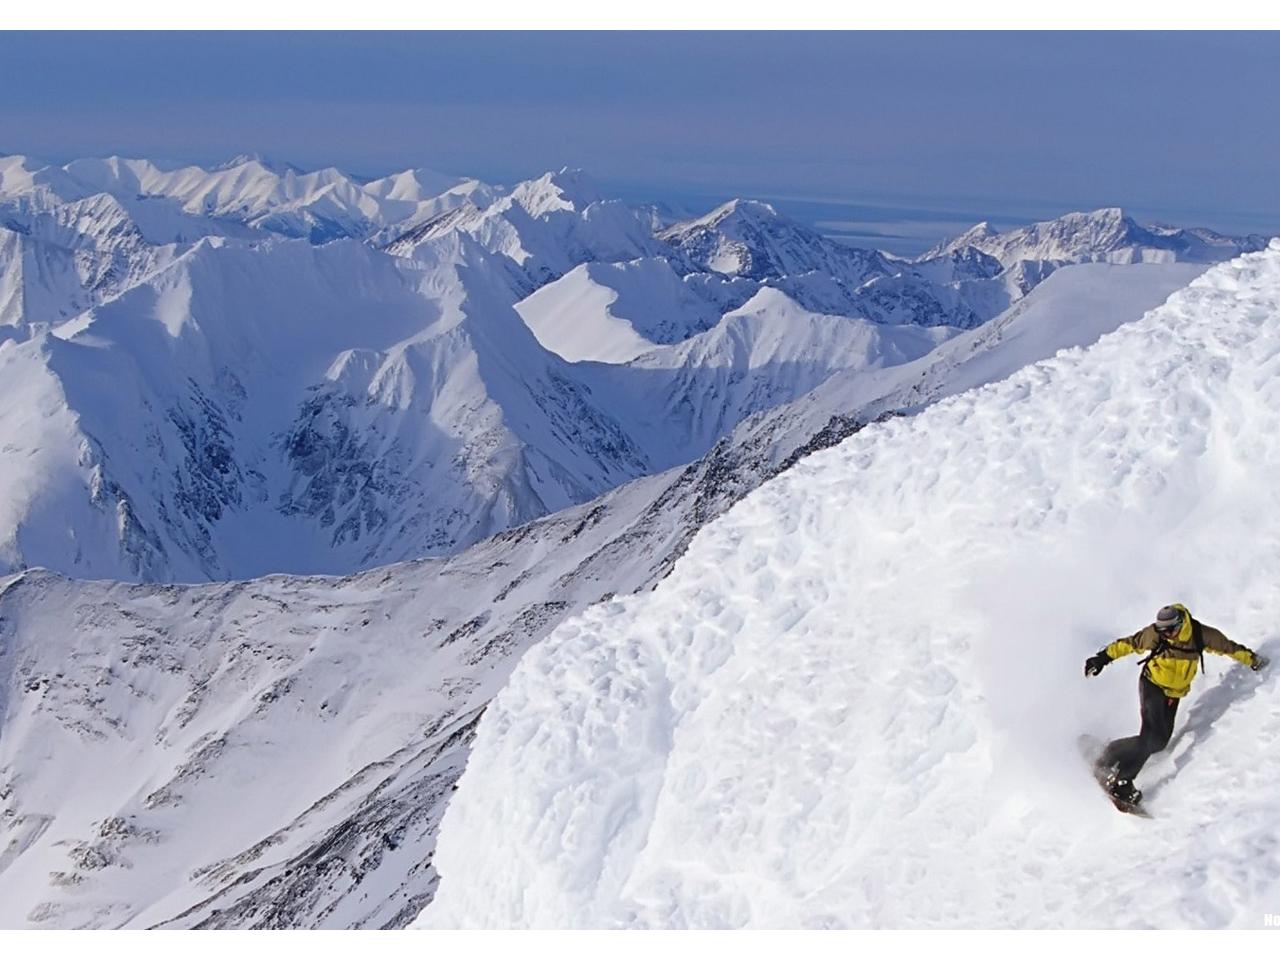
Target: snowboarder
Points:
(1176, 643)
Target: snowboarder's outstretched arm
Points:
(1215, 641)
(1114, 651)
(1127, 645)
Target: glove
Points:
(1093, 666)
(1259, 662)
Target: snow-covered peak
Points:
(22, 176)
(417, 185)
(249, 191)
(1107, 234)
(749, 238)
(973, 237)
(260, 160)
(65, 257)
(545, 227)
(736, 209)
(17, 173)
(564, 190)
(1107, 214)
(960, 263)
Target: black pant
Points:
(1158, 710)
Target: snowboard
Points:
(1091, 750)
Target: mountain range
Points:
(252, 369)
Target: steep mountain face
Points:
(956, 265)
(160, 388)
(58, 262)
(279, 753)
(1107, 234)
(757, 743)
(908, 298)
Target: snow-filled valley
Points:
(854, 701)
(453, 419)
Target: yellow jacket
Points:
(1176, 660)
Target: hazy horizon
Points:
(887, 139)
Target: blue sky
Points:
(869, 134)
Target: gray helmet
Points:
(1168, 619)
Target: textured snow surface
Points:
(854, 701)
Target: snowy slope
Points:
(135, 719)
(1072, 308)
(165, 745)
(613, 312)
(766, 353)
(854, 702)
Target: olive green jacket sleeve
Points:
(1215, 641)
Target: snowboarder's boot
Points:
(1124, 791)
